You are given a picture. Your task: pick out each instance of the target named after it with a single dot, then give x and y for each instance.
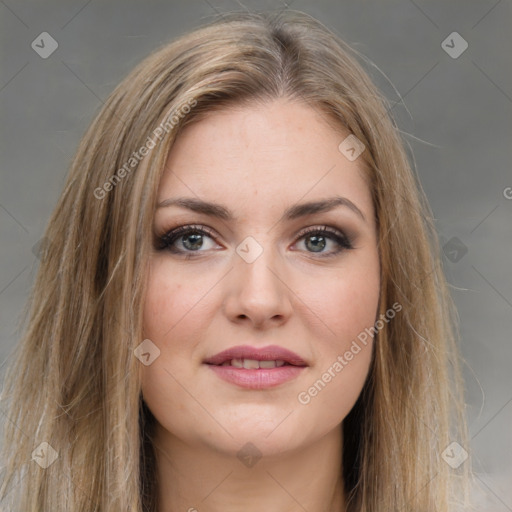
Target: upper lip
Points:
(269, 353)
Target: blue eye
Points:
(190, 238)
(187, 240)
(317, 239)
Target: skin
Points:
(257, 161)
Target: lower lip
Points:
(261, 378)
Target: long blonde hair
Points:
(75, 383)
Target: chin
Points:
(252, 442)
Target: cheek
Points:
(347, 306)
(346, 302)
(173, 321)
(173, 324)
(171, 298)
(163, 300)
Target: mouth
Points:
(256, 368)
(254, 364)
(251, 358)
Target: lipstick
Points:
(256, 368)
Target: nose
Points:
(257, 293)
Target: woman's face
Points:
(255, 270)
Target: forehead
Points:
(281, 151)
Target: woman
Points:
(240, 304)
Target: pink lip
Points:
(259, 378)
(270, 353)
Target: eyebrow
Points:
(292, 213)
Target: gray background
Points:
(456, 119)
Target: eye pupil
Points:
(196, 244)
(317, 243)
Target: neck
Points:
(200, 479)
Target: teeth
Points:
(267, 364)
(253, 364)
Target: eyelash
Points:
(166, 241)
